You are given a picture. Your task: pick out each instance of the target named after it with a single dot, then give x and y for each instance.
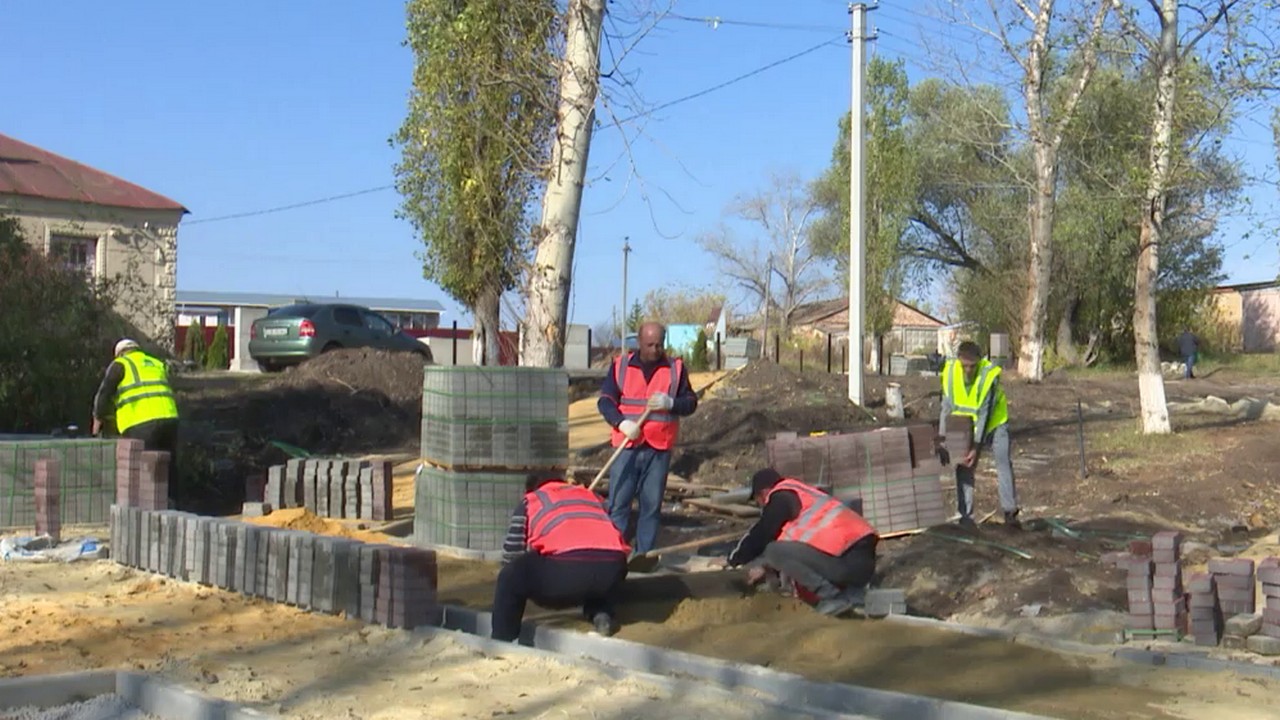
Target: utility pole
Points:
(857, 200)
(626, 250)
(764, 328)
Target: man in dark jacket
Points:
(810, 537)
(561, 550)
(1188, 350)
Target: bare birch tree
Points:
(783, 212)
(1240, 35)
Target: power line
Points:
(294, 206)
(716, 21)
(727, 83)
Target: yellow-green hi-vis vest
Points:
(144, 393)
(966, 400)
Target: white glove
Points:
(629, 428)
(660, 401)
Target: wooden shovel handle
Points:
(617, 451)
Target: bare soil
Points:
(298, 665)
(1210, 480)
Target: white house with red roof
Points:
(103, 226)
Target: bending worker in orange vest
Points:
(561, 550)
(639, 380)
(810, 537)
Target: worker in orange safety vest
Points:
(561, 550)
(640, 380)
(810, 537)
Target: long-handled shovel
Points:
(617, 451)
(646, 562)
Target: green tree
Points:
(193, 346)
(634, 318)
(892, 191)
(698, 356)
(56, 335)
(218, 356)
(475, 144)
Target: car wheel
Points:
(268, 367)
(330, 346)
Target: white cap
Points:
(125, 344)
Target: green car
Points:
(295, 333)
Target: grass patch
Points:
(1246, 364)
(1126, 447)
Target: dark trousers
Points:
(160, 436)
(556, 582)
(825, 575)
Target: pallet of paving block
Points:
(450, 467)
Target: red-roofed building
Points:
(100, 225)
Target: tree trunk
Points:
(1066, 344)
(548, 305)
(488, 324)
(1154, 411)
(1039, 265)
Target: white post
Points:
(857, 203)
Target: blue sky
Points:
(239, 106)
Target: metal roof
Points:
(202, 298)
(28, 170)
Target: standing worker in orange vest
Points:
(971, 388)
(640, 380)
(812, 538)
(561, 550)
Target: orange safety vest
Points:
(661, 429)
(824, 523)
(563, 517)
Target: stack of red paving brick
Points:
(1206, 616)
(48, 499)
(1234, 578)
(1169, 604)
(1157, 605)
(142, 477)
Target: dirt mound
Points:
(302, 519)
(396, 375)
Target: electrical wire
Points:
(294, 206)
(732, 81)
(715, 21)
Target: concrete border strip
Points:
(1188, 660)
(683, 687)
(145, 692)
(786, 688)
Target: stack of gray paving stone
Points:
(86, 479)
(483, 430)
(332, 487)
(390, 585)
(886, 601)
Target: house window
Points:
(76, 253)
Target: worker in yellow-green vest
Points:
(971, 387)
(135, 389)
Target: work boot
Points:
(834, 606)
(967, 523)
(603, 625)
(857, 596)
(1011, 520)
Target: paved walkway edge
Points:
(1187, 660)
(787, 689)
(145, 692)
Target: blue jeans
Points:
(639, 472)
(1191, 361)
